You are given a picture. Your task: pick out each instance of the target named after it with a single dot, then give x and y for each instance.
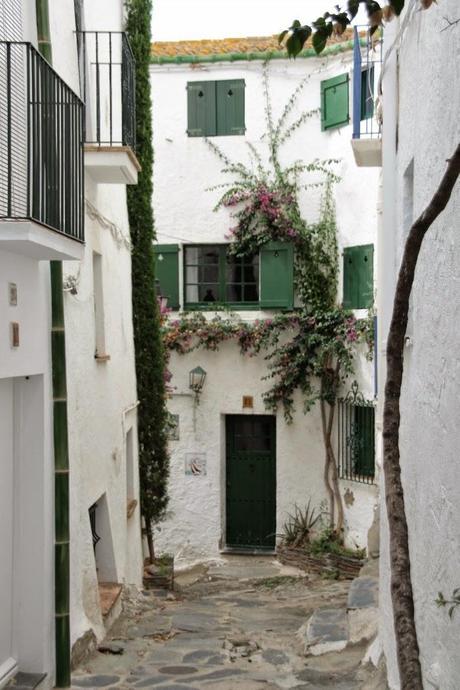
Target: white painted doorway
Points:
(8, 664)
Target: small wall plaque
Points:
(14, 334)
(248, 402)
(13, 294)
(195, 464)
(173, 427)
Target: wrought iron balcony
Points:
(41, 152)
(107, 70)
(367, 63)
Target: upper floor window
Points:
(358, 276)
(215, 108)
(367, 93)
(212, 275)
(335, 107)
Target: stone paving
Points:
(235, 628)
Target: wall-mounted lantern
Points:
(196, 380)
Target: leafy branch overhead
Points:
(336, 22)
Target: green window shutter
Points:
(367, 93)
(334, 102)
(201, 108)
(277, 276)
(358, 277)
(167, 272)
(230, 107)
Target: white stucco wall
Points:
(102, 396)
(184, 168)
(428, 102)
(102, 400)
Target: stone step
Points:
(26, 681)
(363, 602)
(325, 631)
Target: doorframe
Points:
(223, 548)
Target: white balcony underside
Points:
(8, 669)
(111, 164)
(28, 238)
(368, 152)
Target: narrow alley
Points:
(234, 625)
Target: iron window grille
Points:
(356, 437)
(107, 68)
(41, 143)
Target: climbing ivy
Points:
(265, 206)
(150, 361)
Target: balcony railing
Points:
(41, 143)
(367, 63)
(107, 68)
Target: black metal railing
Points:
(367, 65)
(107, 69)
(356, 437)
(41, 143)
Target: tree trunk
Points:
(401, 586)
(330, 465)
(149, 534)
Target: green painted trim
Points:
(250, 57)
(60, 432)
(62, 641)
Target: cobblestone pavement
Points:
(233, 629)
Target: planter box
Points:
(160, 575)
(346, 567)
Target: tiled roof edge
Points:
(249, 57)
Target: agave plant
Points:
(298, 527)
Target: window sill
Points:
(100, 359)
(223, 306)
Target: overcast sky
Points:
(175, 20)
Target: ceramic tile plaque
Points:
(195, 464)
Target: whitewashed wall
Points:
(184, 168)
(101, 395)
(428, 132)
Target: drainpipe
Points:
(60, 432)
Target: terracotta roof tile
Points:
(223, 46)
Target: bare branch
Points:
(401, 585)
(450, 23)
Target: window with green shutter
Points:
(335, 109)
(367, 93)
(213, 277)
(215, 108)
(167, 272)
(201, 108)
(230, 107)
(358, 276)
(277, 276)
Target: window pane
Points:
(209, 274)
(251, 293)
(234, 293)
(191, 293)
(251, 274)
(209, 293)
(191, 255)
(191, 274)
(209, 255)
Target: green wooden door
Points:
(251, 481)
